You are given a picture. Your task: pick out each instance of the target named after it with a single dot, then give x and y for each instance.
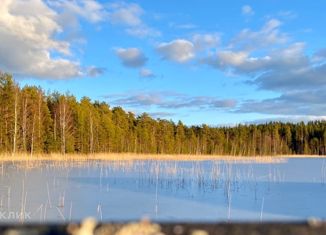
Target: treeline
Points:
(33, 122)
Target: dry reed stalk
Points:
(21, 157)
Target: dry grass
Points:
(132, 156)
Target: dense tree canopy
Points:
(33, 122)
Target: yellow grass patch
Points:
(133, 156)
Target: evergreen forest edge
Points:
(33, 122)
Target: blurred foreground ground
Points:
(90, 227)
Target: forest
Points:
(34, 122)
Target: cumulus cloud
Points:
(161, 114)
(297, 78)
(247, 10)
(269, 35)
(205, 41)
(182, 26)
(320, 55)
(28, 35)
(131, 57)
(136, 100)
(243, 62)
(201, 102)
(288, 118)
(143, 31)
(290, 103)
(170, 100)
(146, 73)
(179, 50)
(282, 69)
(93, 71)
(89, 10)
(129, 15)
(271, 61)
(183, 50)
(287, 14)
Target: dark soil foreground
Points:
(312, 227)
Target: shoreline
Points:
(21, 157)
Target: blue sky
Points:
(213, 62)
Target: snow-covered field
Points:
(52, 191)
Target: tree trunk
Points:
(15, 123)
(91, 140)
(39, 119)
(24, 124)
(63, 128)
(32, 140)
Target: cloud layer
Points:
(131, 57)
(38, 40)
(247, 10)
(170, 100)
(129, 15)
(146, 73)
(178, 50)
(270, 60)
(31, 41)
(29, 45)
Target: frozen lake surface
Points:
(292, 189)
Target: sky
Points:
(213, 62)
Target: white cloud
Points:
(288, 60)
(287, 15)
(131, 57)
(93, 71)
(290, 103)
(231, 58)
(90, 10)
(182, 50)
(171, 100)
(143, 31)
(178, 50)
(320, 55)
(271, 62)
(260, 54)
(27, 35)
(289, 118)
(130, 15)
(296, 78)
(161, 114)
(205, 41)
(182, 26)
(137, 99)
(146, 73)
(29, 44)
(268, 35)
(247, 10)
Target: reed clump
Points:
(132, 156)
